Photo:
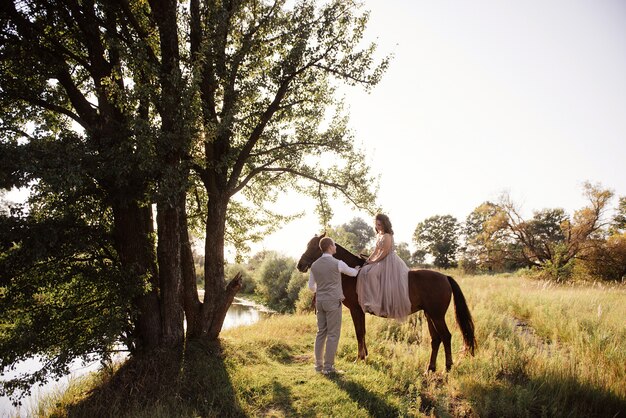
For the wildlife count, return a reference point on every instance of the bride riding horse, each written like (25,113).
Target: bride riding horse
(429,291)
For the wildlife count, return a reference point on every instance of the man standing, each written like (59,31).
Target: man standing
(325,281)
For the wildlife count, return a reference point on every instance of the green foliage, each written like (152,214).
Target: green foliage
(402,249)
(555,268)
(418,257)
(468,266)
(4,204)
(488,245)
(619,219)
(274,277)
(297,282)
(106,108)
(355,236)
(72,299)
(267,79)
(304,304)
(363,232)
(439,237)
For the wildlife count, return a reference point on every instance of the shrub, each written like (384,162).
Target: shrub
(297,282)
(304,303)
(273,277)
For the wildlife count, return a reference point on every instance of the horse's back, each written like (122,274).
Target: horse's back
(429,290)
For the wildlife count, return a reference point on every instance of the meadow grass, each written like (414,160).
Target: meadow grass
(543,350)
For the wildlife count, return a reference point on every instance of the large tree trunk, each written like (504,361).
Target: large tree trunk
(217,296)
(171,184)
(133,232)
(192,304)
(172,317)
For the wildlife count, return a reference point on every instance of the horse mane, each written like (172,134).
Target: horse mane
(347,257)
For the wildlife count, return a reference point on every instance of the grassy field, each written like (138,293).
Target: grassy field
(543,350)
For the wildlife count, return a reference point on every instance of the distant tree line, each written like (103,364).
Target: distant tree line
(495,237)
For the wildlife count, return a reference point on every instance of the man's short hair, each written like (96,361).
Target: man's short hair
(325,243)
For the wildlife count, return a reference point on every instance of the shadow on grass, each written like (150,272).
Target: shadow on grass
(282,398)
(374,404)
(166,383)
(553,396)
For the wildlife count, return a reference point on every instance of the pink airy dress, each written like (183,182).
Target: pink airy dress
(383,285)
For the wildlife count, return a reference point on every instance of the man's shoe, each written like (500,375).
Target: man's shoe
(332,371)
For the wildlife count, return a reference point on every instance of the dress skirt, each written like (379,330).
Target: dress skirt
(383,287)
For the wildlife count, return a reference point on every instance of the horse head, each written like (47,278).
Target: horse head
(312,253)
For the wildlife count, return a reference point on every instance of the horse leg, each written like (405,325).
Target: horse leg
(358,318)
(446,337)
(435,341)
(441,328)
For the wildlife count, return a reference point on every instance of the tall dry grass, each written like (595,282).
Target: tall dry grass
(544,350)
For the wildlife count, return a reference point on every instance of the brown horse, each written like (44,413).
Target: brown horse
(429,291)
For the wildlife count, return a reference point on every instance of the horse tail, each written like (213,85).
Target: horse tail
(463,316)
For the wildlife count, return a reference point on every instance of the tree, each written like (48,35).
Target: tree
(619,220)
(402,249)
(418,257)
(607,257)
(355,236)
(297,282)
(264,75)
(75,123)
(274,277)
(343,237)
(106,111)
(551,239)
(248,282)
(363,232)
(439,237)
(488,243)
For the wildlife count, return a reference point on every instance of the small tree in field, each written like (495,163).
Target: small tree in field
(355,236)
(439,237)
(551,240)
(402,249)
(607,257)
(364,233)
(487,244)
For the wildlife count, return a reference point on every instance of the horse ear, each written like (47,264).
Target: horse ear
(323,235)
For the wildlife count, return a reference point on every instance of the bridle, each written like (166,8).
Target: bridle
(306,260)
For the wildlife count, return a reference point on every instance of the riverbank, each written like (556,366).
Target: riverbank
(242,312)
(542,350)
(244,301)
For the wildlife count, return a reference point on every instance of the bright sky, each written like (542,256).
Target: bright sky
(483,97)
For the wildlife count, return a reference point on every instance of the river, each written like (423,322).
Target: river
(241,312)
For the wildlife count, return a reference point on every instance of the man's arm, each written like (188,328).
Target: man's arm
(312,284)
(343,268)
